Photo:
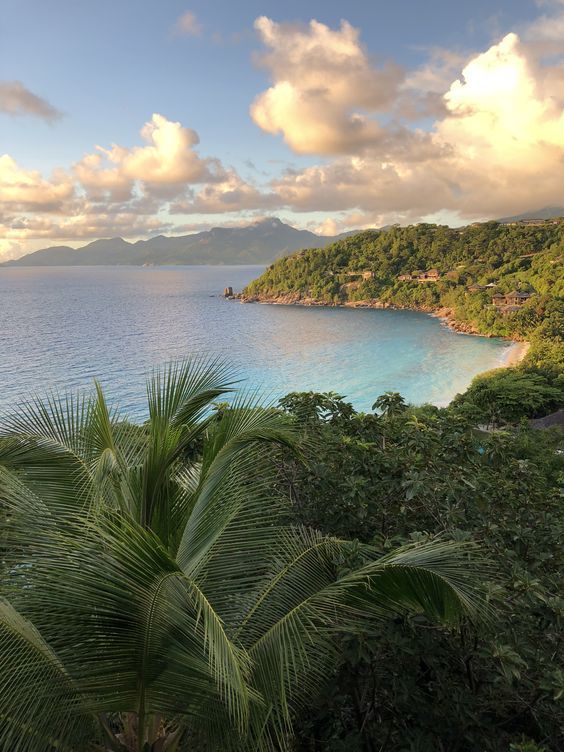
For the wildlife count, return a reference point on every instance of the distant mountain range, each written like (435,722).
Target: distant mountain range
(257,243)
(549,212)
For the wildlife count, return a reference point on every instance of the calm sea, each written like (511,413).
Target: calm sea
(60,328)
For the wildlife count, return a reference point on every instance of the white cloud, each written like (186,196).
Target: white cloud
(15,99)
(498,149)
(496,146)
(27,190)
(165,165)
(188,25)
(323,85)
(231,194)
(118,190)
(10,249)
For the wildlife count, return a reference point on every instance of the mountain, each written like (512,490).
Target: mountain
(257,243)
(549,212)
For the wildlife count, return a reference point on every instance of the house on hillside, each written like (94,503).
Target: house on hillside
(480,288)
(535,222)
(513,301)
(517,298)
(433,275)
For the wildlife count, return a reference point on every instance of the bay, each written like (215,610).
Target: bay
(63,327)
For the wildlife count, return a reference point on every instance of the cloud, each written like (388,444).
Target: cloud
(231,194)
(9,249)
(27,190)
(119,190)
(328,226)
(498,149)
(16,100)
(188,25)
(163,167)
(494,147)
(323,85)
(421,93)
(19,235)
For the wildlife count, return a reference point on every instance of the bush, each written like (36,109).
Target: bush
(509,394)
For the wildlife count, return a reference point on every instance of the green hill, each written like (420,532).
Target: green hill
(385,268)
(257,243)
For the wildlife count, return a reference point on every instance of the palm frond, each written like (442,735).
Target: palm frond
(293,629)
(149,571)
(181,392)
(40,708)
(228,459)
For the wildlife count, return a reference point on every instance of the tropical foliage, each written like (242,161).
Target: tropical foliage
(157,592)
(407,475)
(506,395)
(509,257)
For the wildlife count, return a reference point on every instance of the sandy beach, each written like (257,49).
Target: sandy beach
(515,354)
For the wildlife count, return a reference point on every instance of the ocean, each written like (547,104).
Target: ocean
(63,327)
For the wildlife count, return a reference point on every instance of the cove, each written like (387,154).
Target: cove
(62,327)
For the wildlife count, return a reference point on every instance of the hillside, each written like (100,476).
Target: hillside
(548,212)
(366,269)
(258,243)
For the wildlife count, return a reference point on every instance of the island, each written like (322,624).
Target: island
(491,279)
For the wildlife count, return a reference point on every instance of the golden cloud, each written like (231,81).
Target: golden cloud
(498,149)
(323,83)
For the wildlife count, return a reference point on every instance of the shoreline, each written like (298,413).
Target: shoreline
(513,356)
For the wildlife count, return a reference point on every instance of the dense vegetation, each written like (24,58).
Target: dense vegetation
(154,596)
(528,258)
(234,577)
(406,474)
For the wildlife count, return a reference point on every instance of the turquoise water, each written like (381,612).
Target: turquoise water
(62,327)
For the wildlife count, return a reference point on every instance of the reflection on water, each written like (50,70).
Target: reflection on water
(62,327)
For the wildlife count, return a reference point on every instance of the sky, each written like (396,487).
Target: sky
(134,118)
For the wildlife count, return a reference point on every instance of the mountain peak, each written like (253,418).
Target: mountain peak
(260,242)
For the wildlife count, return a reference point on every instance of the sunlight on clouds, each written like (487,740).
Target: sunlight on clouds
(496,146)
(27,190)
(10,249)
(498,149)
(120,190)
(167,160)
(501,114)
(323,81)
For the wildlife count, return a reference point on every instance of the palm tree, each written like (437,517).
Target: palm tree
(153,596)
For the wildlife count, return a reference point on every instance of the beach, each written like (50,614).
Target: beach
(515,354)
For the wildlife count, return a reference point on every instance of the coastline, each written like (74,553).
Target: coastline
(513,356)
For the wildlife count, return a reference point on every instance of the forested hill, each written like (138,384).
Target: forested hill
(366,268)
(257,243)
(484,253)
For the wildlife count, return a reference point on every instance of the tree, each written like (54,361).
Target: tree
(153,598)
(410,685)
(390,403)
(510,394)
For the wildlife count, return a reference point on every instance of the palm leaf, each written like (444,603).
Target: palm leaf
(40,707)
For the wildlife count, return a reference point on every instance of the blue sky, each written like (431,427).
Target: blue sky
(108,66)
